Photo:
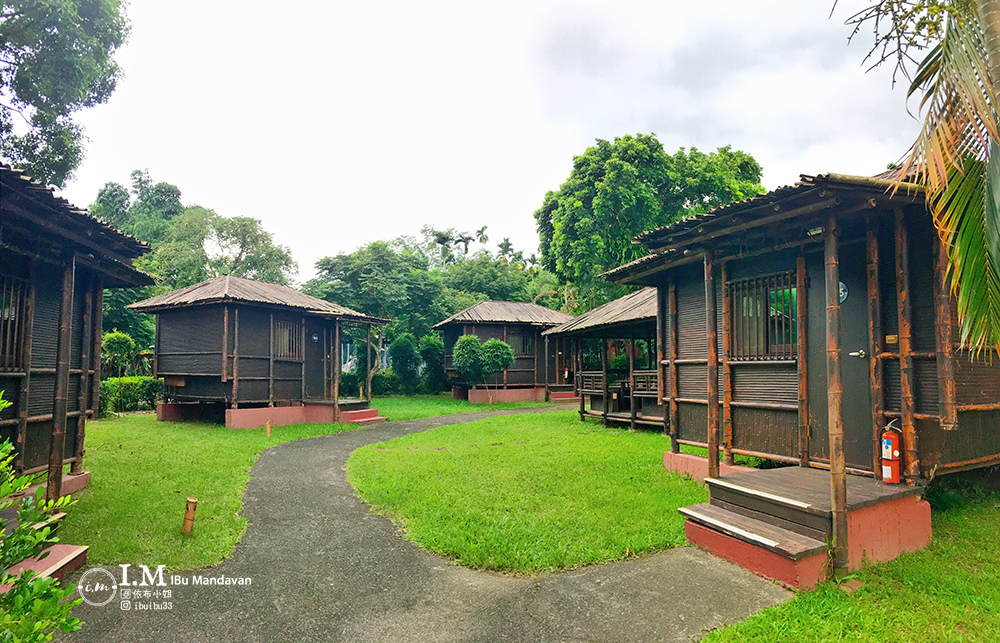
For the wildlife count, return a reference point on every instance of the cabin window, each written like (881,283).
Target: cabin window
(287,341)
(13,306)
(523,344)
(763,321)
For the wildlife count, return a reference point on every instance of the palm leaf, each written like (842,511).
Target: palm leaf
(957,159)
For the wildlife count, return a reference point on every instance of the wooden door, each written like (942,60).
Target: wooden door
(855,358)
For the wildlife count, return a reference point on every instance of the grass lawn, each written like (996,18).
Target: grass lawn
(528,493)
(948,592)
(399,407)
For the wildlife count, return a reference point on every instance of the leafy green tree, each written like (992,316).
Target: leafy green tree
(467,358)
(55,59)
(118,350)
(248,250)
(489,277)
(406,362)
(432,354)
(112,205)
(140,327)
(497,356)
(619,189)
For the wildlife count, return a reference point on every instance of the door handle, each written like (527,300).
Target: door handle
(861,353)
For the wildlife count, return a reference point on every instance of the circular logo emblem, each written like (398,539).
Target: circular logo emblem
(97,587)
(843,292)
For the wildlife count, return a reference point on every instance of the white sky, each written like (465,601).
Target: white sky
(339,123)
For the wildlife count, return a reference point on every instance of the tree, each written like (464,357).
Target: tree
(112,205)
(406,362)
(432,354)
(506,249)
(55,59)
(497,356)
(467,358)
(619,189)
(248,250)
(118,350)
(489,277)
(957,154)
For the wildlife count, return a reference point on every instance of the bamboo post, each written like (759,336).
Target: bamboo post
(579,377)
(22,398)
(675,446)
(711,322)
(631,378)
(189,510)
(943,336)
(304,351)
(546,353)
(727,371)
(835,398)
(876,338)
(270,363)
(57,440)
(911,460)
(661,357)
(605,383)
(801,317)
(81,405)
(95,383)
(156,347)
(368,367)
(236,358)
(336,370)
(225,343)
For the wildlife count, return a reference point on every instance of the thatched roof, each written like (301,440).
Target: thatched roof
(507,312)
(30,206)
(640,305)
(228,288)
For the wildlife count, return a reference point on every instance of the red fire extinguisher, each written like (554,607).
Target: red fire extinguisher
(890,454)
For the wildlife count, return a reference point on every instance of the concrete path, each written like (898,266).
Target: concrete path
(324,569)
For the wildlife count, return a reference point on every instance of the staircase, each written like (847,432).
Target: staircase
(362,417)
(778,522)
(562,393)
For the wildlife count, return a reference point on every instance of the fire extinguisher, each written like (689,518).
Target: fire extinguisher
(890,439)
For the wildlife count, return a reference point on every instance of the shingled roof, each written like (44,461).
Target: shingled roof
(228,288)
(639,305)
(507,312)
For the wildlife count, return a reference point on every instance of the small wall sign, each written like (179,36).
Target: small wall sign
(843,292)
(316,337)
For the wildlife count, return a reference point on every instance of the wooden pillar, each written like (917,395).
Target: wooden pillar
(336,369)
(304,351)
(727,372)
(236,358)
(673,412)
(943,337)
(661,357)
(86,337)
(546,354)
(713,366)
(911,461)
(578,379)
(631,377)
(95,394)
(559,348)
(835,398)
(156,347)
(607,388)
(368,366)
(28,334)
(505,370)
(270,363)
(326,363)
(876,339)
(801,316)
(225,343)
(57,440)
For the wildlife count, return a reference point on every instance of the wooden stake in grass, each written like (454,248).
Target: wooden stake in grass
(267,428)
(192,505)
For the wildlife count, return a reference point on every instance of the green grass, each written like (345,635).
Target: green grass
(527,493)
(398,407)
(948,592)
(143,471)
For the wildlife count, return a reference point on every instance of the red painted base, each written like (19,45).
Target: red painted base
(563,396)
(56,561)
(306,414)
(881,532)
(797,574)
(483,396)
(696,466)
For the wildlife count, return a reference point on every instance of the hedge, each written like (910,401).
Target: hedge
(123,394)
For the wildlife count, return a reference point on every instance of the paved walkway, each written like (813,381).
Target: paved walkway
(324,569)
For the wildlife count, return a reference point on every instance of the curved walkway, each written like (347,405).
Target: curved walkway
(324,569)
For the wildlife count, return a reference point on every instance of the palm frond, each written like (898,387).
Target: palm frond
(957,159)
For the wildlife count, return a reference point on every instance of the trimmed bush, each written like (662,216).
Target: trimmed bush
(124,394)
(405,362)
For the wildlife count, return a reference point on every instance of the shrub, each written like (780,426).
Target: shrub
(497,356)
(435,379)
(385,382)
(405,362)
(124,394)
(467,358)
(118,349)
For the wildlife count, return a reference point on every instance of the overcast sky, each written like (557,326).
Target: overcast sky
(339,123)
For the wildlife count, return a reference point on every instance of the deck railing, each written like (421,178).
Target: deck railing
(644,384)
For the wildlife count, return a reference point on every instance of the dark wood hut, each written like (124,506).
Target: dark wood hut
(795,326)
(55,262)
(264,352)
(617,370)
(538,368)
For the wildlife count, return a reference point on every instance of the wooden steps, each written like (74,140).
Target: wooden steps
(362,417)
(773,538)
(56,561)
(563,396)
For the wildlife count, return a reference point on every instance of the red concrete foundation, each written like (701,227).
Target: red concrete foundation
(563,396)
(306,414)
(881,532)
(58,561)
(483,396)
(797,574)
(696,466)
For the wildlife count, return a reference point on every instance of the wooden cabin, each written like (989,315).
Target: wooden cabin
(617,373)
(263,352)
(539,368)
(55,262)
(796,326)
